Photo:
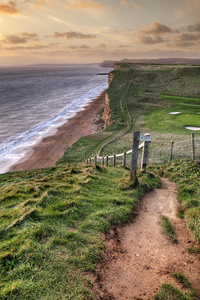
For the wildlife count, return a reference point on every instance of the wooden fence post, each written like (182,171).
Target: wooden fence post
(102,161)
(171,151)
(145,155)
(95,160)
(90,160)
(114,160)
(106,160)
(133,173)
(193,147)
(124,159)
(87,161)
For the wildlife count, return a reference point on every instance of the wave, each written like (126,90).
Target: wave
(17,146)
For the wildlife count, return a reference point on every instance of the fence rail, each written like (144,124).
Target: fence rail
(188,149)
(145,139)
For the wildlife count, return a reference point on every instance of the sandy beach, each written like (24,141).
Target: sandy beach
(51,148)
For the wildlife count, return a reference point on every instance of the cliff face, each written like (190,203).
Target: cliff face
(110,77)
(107,110)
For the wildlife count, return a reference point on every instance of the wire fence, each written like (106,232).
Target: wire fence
(182,150)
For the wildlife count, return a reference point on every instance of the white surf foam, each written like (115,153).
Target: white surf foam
(18,146)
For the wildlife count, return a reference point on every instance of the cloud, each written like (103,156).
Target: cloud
(149,40)
(193,28)
(73,35)
(156,28)
(183,44)
(130,3)
(124,46)
(23,38)
(80,47)
(13,39)
(30,36)
(39,2)
(85,5)
(102,45)
(33,47)
(8,9)
(189,37)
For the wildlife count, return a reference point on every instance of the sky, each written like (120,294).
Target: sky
(90,31)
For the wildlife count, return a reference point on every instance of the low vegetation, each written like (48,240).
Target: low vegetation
(51,220)
(169,292)
(182,279)
(168,229)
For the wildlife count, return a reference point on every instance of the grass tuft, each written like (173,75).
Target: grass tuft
(169,292)
(182,279)
(167,229)
(193,250)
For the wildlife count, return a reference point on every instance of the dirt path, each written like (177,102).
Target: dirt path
(138,258)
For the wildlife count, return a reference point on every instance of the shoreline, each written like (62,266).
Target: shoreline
(51,148)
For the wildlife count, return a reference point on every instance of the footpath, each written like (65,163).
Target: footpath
(138,258)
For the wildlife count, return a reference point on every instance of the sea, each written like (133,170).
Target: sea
(36,100)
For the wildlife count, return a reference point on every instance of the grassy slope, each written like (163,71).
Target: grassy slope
(52,218)
(89,146)
(51,224)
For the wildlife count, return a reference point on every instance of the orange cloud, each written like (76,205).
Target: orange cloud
(85,5)
(23,38)
(8,9)
(73,35)
(157,28)
(149,40)
(131,3)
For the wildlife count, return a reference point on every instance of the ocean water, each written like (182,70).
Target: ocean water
(35,101)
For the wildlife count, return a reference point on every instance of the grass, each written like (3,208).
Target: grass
(165,122)
(52,219)
(193,250)
(167,229)
(51,225)
(150,94)
(182,279)
(187,177)
(169,292)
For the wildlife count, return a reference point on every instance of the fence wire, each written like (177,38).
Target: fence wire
(182,150)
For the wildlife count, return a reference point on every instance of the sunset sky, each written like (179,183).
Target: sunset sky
(80,31)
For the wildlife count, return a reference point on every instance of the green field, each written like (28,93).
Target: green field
(162,121)
(51,224)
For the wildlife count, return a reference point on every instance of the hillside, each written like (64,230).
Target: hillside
(51,225)
(55,222)
(141,97)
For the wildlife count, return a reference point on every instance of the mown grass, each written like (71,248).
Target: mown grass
(169,292)
(51,224)
(187,176)
(189,109)
(168,229)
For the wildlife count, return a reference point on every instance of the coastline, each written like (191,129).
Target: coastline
(52,147)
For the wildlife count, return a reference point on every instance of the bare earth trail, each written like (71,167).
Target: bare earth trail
(139,258)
